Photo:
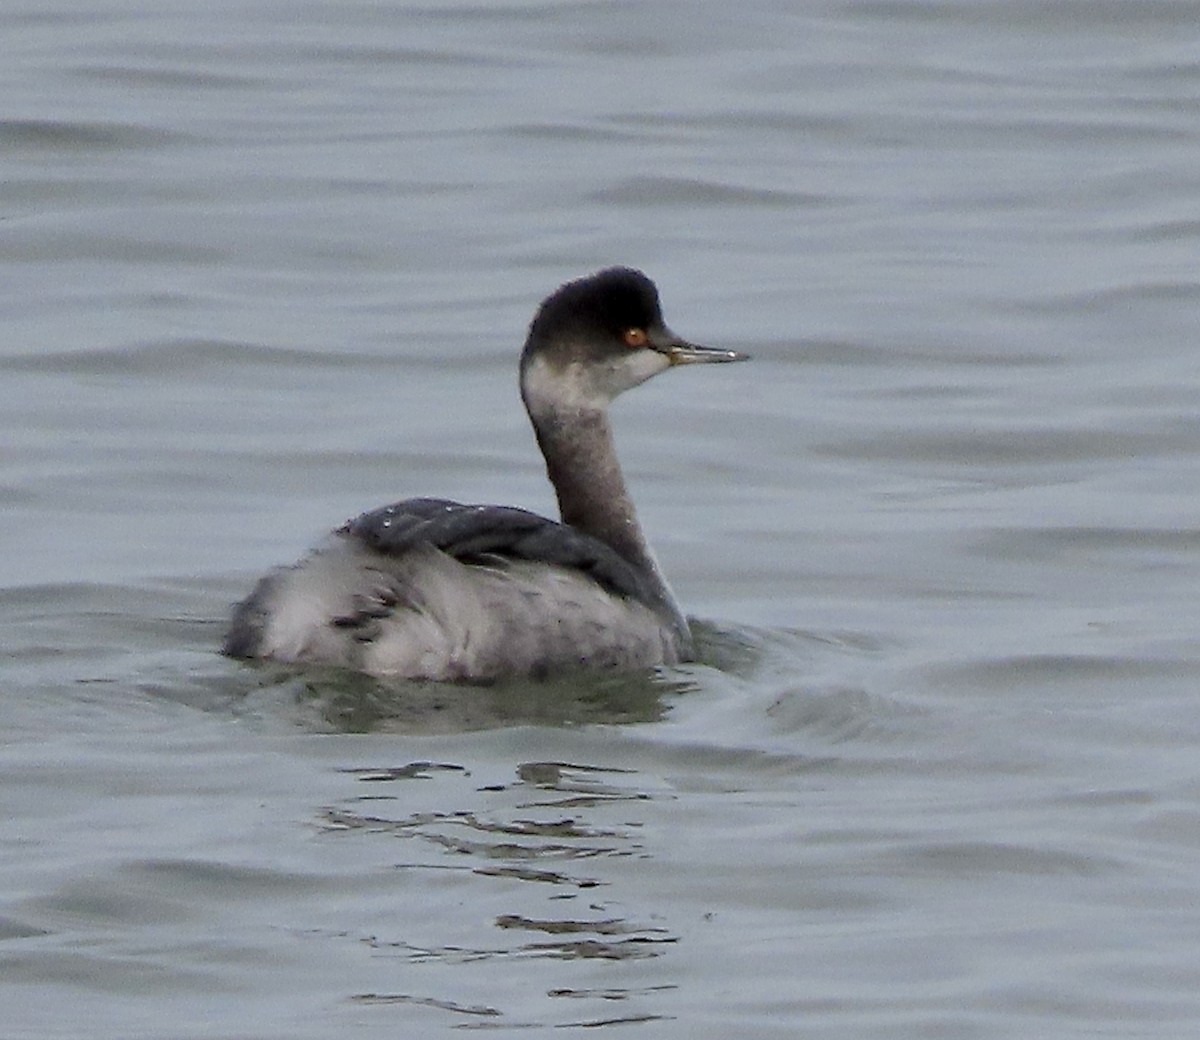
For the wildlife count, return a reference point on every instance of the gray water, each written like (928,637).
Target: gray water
(267,265)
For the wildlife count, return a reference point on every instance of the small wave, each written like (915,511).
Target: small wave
(66,135)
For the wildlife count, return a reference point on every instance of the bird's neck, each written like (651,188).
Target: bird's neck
(581,461)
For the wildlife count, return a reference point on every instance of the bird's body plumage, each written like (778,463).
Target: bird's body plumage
(435,589)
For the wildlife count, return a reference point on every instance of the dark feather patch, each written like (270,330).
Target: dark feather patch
(471,533)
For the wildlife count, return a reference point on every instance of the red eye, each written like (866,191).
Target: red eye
(636,338)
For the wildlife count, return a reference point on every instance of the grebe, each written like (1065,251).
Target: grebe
(432,589)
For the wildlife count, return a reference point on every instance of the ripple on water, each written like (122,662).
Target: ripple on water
(67,136)
(536,846)
(683,191)
(1033,672)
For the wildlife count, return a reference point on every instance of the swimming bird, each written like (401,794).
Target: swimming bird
(433,589)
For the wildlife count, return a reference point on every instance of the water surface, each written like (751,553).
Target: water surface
(266,266)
